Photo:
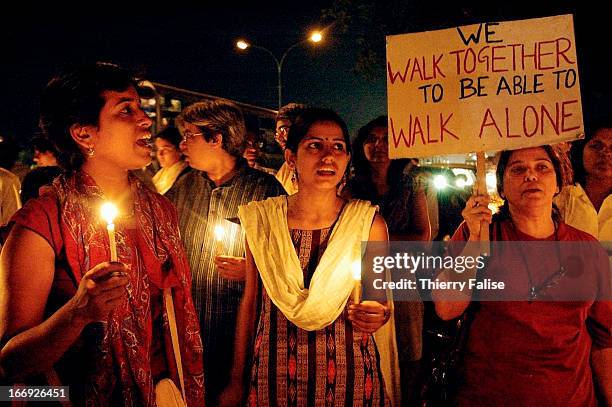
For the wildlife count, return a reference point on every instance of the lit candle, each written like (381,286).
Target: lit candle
(356,271)
(109,212)
(219,235)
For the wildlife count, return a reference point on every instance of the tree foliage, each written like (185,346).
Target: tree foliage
(367,22)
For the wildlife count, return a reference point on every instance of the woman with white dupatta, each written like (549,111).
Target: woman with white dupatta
(312,345)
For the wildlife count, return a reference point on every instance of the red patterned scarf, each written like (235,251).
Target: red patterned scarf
(122,354)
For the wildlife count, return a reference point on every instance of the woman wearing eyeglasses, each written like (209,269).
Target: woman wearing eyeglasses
(532,351)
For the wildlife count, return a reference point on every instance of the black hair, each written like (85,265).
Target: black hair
(75,97)
(577,148)
(310,116)
(35,179)
(41,144)
(172,135)
(362,182)
(306,119)
(290,111)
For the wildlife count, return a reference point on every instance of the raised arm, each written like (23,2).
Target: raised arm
(245,327)
(25,283)
(451,303)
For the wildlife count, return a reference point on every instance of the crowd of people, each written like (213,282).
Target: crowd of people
(233,280)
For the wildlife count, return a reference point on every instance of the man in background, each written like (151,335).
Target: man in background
(284,119)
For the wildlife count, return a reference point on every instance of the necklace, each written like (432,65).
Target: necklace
(552,280)
(126,216)
(127,201)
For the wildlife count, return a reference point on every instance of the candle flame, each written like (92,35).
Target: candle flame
(109,212)
(219,233)
(356,270)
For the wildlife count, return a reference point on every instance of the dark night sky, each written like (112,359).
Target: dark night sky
(192,47)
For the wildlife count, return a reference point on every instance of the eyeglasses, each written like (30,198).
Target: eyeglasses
(188,136)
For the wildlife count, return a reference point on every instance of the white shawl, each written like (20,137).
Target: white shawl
(267,233)
(166,177)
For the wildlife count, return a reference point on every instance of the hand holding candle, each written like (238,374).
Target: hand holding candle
(109,212)
(356,272)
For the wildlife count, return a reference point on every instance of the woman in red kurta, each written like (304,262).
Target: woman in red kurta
(532,351)
(101,326)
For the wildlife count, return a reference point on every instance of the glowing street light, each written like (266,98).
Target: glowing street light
(315,37)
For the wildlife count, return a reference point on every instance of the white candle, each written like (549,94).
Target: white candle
(110,228)
(109,212)
(219,235)
(356,272)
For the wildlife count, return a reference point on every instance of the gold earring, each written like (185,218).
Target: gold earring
(293,175)
(90,151)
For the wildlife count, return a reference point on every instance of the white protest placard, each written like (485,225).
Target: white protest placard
(483,87)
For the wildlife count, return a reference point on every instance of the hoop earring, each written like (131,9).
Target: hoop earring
(90,151)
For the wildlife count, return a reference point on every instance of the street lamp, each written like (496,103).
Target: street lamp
(315,37)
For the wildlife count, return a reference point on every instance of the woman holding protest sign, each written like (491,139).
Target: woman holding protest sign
(531,351)
(312,345)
